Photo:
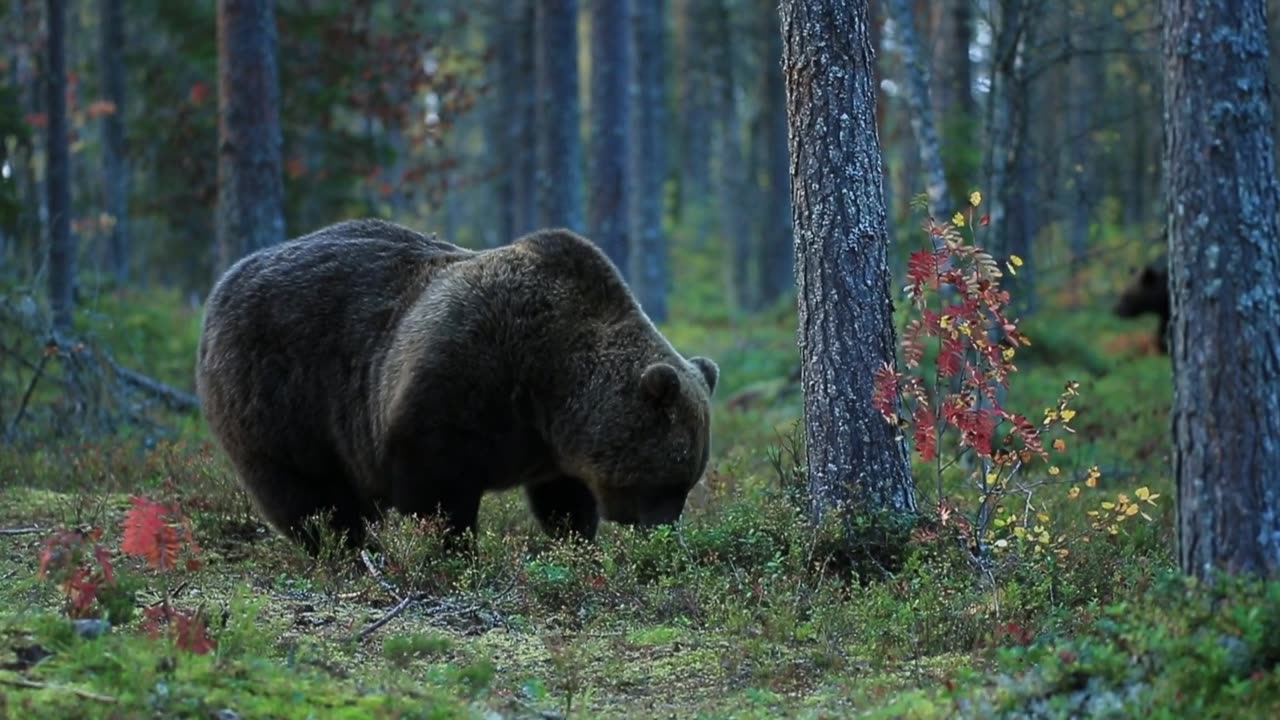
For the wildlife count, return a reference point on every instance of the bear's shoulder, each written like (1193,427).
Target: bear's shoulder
(377,229)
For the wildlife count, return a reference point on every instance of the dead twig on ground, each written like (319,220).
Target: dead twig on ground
(20,531)
(33,685)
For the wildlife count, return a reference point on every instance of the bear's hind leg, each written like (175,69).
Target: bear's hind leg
(287,500)
(564,506)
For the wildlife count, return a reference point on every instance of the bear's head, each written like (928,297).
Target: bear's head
(645,439)
(1148,292)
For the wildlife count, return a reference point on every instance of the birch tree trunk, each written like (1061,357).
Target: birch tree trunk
(921,108)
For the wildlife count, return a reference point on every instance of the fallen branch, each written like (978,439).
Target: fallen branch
(392,614)
(26,396)
(174,398)
(33,685)
(20,531)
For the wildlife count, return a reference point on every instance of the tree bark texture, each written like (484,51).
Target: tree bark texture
(115,171)
(512,121)
(250,180)
(559,144)
(846,324)
(1224,253)
(610,192)
(61,250)
(650,274)
(920,106)
(774,246)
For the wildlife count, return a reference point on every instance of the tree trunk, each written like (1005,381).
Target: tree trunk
(524,125)
(730,178)
(1224,259)
(846,323)
(610,194)
(559,145)
(115,171)
(694,35)
(921,108)
(650,274)
(61,251)
(511,118)
(953,80)
(775,247)
(250,179)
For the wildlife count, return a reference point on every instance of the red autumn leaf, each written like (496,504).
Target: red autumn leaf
(148,534)
(199,93)
(951,359)
(926,432)
(100,108)
(985,221)
(191,634)
(922,270)
(885,393)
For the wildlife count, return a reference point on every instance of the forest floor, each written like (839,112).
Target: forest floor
(744,613)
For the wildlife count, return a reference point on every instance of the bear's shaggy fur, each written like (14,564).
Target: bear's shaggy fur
(366,366)
(1148,292)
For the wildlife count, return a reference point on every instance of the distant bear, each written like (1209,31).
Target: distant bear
(366,366)
(1148,292)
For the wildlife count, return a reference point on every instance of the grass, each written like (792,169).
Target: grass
(746,612)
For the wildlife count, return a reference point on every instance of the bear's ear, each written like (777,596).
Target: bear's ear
(660,382)
(710,371)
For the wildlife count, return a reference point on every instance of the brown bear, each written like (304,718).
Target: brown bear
(366,366)
(1148,292)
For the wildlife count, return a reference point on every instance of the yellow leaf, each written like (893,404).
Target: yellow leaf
(1108,505)
(1020,532)
(1044,538)
(1074,492)
(1142,493)
(1091,481)
(1063,552)
(1002,543)
(1053,470)
(1152,499)
(1067,415)
(1007,353)
(1148,517)
(1131,510)
(957,219)
(1017,261)
(1060,445)
(975,198)
(945,322)
(1122,499)
(1042,517)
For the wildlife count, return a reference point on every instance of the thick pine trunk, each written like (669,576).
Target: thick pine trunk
(650,271)
(250,181)
(61,251)
(610,193)
(1224,258)
(846,324)
(115,171)
(559,145)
